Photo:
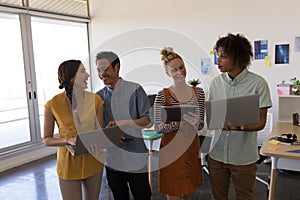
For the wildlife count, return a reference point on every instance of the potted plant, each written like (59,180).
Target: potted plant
(296,87)
(194,82)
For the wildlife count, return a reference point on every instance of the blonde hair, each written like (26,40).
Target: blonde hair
(167,55)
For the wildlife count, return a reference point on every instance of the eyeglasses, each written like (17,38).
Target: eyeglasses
(102,69)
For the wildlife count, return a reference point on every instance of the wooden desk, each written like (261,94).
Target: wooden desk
(281,152)
(150,135)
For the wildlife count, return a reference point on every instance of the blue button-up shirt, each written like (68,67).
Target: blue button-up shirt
(128,101)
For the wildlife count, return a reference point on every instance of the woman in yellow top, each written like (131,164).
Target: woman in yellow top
(74,110)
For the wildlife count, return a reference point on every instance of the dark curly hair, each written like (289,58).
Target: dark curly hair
(236,47)
(66,72)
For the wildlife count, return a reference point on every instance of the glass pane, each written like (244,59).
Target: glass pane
(11,2)
(68,41)
(14,121)
(69,7)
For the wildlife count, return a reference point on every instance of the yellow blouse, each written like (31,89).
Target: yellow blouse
(75,167)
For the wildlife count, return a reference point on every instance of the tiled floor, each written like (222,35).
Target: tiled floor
(38,181)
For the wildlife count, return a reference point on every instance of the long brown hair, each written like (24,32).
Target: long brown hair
(66,73)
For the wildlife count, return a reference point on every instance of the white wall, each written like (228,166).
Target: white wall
(137,29)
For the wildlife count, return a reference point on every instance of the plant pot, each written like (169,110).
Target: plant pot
(296,89)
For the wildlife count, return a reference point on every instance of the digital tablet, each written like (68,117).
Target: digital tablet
(176,112)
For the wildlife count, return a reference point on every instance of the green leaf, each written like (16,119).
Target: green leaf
(295,81)
(194,82)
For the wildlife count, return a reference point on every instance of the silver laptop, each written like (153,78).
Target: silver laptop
(103,138)
(78,149)
(238,111)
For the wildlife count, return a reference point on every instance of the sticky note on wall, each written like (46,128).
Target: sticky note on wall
(267,61)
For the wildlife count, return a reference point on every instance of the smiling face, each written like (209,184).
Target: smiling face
(81,78)
(107,73)
(176,70)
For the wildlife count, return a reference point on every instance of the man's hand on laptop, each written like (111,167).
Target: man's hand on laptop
(118,123)
(122,140)
(111,124)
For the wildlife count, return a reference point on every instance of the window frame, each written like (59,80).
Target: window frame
(36,143)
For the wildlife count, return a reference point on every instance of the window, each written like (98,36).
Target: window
(14,119)
(32,48)
(65,7)
(68,41)
(11,2)
(68,7)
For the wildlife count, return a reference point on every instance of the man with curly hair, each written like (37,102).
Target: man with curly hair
(234,151)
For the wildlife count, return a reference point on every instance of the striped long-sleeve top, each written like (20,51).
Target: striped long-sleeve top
(168,127)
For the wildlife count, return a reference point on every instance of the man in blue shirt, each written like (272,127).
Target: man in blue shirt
(125,104)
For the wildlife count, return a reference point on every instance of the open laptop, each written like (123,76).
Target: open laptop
(238,111)
(78,149)
(103,138)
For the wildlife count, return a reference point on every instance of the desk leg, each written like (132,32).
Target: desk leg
(150,163)
(273,178)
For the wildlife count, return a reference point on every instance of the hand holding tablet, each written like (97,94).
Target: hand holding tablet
(176,112)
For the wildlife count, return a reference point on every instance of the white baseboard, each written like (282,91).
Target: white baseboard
(21,159)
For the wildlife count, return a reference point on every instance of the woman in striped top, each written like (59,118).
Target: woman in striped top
(180,167)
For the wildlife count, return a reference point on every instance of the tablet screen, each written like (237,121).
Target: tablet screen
(176,112)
